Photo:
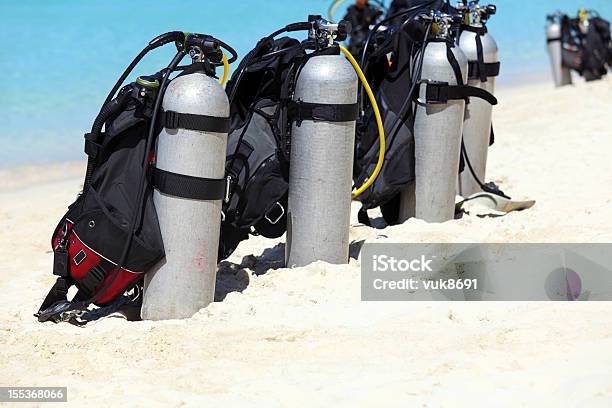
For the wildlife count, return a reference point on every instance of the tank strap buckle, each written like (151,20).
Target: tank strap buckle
(439,93)
(172,119)
(436,92)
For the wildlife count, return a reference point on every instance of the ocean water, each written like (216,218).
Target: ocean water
(59,58)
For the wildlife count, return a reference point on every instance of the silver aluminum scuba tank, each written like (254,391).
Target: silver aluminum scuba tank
(561,75)
(483,58)
(438,127)
(192,146)
(320,176)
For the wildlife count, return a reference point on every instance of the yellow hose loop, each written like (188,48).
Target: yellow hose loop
(334,8)
(225,69)
(379,122)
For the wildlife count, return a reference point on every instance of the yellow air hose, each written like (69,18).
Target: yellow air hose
(381,128)
(225,69)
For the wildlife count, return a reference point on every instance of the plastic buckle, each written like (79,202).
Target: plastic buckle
(436,92)
(61,263)
(276,220)
(171,120)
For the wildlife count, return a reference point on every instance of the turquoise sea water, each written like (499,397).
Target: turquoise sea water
(59,58)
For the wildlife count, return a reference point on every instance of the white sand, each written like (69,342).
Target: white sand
(302,337)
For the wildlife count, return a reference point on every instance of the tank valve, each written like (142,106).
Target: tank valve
(444,24)
(200,47)
(325,33)
(475,14)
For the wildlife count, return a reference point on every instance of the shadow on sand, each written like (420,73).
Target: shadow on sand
(233,277)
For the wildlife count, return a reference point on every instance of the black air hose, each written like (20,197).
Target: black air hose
(109,110)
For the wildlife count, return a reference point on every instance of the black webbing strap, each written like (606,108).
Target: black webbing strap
(363,217)
(452,60)
(92,148)
(549,40)
(478,30)
(239,159)
(58,292)
(204,123)
(195,188)
(299,111)
(441,92)
(481,70)
(236,164)
(491,70)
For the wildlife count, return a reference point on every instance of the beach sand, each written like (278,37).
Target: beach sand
(302,337)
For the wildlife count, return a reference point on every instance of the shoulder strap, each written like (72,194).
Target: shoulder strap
(57,293)
(480,69)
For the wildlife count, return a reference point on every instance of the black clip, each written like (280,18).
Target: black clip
(61,263)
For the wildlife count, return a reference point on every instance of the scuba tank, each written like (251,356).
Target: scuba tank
(438,121)
(189,186)
(483,66)
(438,127)
(320,177)
(290,151)
(561,74)
(393,60)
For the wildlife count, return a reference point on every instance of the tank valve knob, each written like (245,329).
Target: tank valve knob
(344,29)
